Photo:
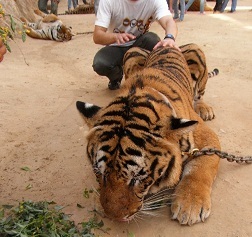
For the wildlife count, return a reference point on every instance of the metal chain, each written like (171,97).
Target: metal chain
(221,154)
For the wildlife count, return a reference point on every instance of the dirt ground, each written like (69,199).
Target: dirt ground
(40,127)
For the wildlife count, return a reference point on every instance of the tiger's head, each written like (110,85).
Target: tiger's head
(133,145)
(64,33)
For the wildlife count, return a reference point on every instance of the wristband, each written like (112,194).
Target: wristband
(169,36)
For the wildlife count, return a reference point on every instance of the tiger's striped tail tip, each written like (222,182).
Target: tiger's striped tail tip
(213,73)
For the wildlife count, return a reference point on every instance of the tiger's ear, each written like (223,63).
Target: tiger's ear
(181,126)
(88,111)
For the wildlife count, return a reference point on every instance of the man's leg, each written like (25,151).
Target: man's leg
(233,5)
(147,41)
(42,6)
(189,3)
(75,3)
(202,6)
(224,5)
(54,7)
(108,62)
(182,9)
(175,9)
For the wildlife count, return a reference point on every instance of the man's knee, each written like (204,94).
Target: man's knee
(147,41)
(150,36)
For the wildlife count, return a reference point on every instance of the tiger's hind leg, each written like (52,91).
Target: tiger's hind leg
(30,27)
(46,17)
(196,61)
(134,61)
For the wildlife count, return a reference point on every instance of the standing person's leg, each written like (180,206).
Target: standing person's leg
(189,3)
(218,6)
(175,9)
(224,5)
(54,7)
(108,62)
(42,6)
(75,3)
(182,9)
(69,4)
(202,6)
(233,5)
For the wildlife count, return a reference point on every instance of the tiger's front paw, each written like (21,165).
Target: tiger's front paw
(203,110)
(191,206)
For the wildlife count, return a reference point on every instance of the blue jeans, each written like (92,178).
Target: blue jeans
(42,5)
(202,5)
(233,5)
(108,61)
(69,4)
(176,10)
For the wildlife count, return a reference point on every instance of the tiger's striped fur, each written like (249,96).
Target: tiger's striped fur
(50,27)
(138,143)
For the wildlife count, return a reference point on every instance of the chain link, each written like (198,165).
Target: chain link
(221,154)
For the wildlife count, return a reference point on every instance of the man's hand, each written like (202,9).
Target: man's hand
(121,38)
(101,36)
(166,42)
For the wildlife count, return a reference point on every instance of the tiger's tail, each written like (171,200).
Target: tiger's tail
(213,73)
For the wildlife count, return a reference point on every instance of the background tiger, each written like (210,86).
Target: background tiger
(50,27)
(138,143)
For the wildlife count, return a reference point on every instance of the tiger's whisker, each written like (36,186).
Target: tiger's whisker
(153,207)
(157,200)
(151,213)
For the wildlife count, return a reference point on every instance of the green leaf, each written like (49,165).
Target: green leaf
(8,47)
(42,220)
(130,234)
(13,24)
(25,168)
(86,193)
(29,186)
(23,36)
(1,213)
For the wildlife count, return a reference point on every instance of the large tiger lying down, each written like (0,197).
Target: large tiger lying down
(138,144)
(50,27)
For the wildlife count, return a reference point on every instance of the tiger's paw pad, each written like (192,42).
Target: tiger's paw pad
(203,110)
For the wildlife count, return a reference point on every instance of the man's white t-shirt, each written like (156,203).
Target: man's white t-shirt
(133,17)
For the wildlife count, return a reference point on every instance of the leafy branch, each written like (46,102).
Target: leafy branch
(9,30)
(40,219)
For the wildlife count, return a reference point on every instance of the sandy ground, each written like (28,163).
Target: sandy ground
(40,127)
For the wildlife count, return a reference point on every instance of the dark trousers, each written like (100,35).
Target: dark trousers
(108,61)
(218,5)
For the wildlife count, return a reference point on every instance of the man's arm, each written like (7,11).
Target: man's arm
(101,36)
(170,27)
